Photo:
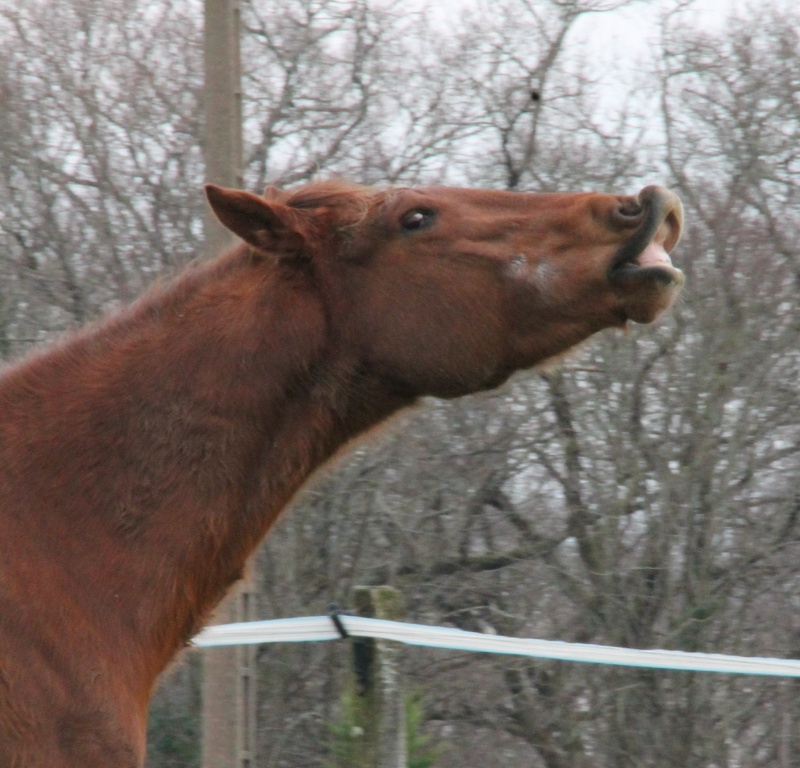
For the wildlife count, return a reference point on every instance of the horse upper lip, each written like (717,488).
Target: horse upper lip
(659,231)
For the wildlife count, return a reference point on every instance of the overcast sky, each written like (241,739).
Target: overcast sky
(621,39)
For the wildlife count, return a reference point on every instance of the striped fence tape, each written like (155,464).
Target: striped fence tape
(318,628)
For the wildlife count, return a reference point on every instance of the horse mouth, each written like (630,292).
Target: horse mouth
(646,255)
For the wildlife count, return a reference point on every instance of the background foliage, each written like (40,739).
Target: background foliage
(645,493)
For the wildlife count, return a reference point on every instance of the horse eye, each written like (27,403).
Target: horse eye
(417,219)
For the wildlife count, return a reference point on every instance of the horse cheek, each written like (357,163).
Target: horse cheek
(441,344)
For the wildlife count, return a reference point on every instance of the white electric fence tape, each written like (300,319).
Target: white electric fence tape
(314,628)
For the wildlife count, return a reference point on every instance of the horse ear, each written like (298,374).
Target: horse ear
(266,225)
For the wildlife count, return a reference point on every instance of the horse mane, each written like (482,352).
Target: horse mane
(350,201)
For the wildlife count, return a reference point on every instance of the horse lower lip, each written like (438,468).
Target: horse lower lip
(630,272)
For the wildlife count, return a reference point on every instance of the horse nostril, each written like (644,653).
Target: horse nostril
(629,209)
(627,213)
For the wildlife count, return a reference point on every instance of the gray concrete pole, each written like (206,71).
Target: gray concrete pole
(229,676)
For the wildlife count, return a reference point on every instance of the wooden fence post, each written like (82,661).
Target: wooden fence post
(379,705)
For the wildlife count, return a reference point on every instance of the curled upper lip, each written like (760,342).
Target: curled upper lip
(661,220)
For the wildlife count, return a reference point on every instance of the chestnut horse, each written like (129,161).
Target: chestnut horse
(144,457)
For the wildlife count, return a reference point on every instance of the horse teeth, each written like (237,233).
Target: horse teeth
(653,256)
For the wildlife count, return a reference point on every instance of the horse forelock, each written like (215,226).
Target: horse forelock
(350,203)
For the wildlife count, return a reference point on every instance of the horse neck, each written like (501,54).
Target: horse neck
(175,434)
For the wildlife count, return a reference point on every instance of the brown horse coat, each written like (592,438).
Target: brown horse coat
(143,458)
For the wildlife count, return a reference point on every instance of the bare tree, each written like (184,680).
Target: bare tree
(649,501)
(100,153)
